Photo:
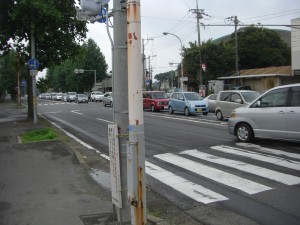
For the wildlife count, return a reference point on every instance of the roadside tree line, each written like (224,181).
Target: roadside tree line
(258,47)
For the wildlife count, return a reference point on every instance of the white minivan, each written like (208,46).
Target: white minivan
(275,115)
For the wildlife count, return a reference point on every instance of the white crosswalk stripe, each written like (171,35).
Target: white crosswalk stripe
(189,161)
(186,187)
(279,161)
(256,170)
(216,175)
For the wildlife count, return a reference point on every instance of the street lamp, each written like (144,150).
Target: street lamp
(181,79)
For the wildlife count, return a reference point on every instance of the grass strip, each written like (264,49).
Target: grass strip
(42,134)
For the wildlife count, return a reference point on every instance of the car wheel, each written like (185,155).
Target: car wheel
(171,111)
(186,111)
(219,115)
(244,132)
(205,113)
(152,108)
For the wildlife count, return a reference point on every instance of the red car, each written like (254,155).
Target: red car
(155,100)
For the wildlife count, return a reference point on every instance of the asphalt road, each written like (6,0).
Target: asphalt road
(195,164)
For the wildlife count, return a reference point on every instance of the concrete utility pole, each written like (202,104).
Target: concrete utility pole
(236,22)
(236,46)
(120,95)
(199,13)
(136,144)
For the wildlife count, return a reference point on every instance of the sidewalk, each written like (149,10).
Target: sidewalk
(42,183)
(50,182)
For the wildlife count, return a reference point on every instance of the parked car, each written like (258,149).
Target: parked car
(275,115)
(187,102)
(65,97)
(97,96)
(230,100)
(108,99)
(155,100)
(48,96)
(71,96)
(211,102)
(242,87)
(58,97)
(81,98)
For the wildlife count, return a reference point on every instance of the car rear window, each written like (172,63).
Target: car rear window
(250,96)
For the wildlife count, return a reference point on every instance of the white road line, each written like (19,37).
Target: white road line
(269,150)
(104,120)
(219,176)
(259,156)
(189,120)
(186,187)
(76,111)
(256,170)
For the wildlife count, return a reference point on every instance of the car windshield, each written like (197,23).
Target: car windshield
(250,96)
(192,96)
(159,95)
(72,93)
(98,93)
(81,95)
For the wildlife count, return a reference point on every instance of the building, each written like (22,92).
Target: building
(295,47)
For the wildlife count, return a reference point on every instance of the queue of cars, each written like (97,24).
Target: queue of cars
(274,115)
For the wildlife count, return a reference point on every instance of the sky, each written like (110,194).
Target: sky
(176,17)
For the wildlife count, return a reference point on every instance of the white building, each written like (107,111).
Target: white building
(295,39)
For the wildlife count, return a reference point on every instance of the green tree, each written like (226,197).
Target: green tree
(62,77)
(261,47)
(54,25)
(10,66)
(167,76)
(42,85)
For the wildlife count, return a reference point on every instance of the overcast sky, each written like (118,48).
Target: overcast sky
(174,16)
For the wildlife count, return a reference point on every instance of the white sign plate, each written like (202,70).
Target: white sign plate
(113,144)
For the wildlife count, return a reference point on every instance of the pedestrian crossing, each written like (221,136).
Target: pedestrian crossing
(224,171)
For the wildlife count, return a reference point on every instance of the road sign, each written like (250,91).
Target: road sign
(115,177)
(33,73)
(23,83)
(184,78)
(33,64)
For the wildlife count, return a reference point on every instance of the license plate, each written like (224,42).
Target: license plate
(199,110)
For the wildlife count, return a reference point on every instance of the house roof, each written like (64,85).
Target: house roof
(281,71)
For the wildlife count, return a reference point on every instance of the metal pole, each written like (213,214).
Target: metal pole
(236,46)
(120,95)
(95,77)
(136,144)
(199,16)
(32,38)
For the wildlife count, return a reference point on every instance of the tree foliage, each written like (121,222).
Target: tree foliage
(257,48)
(63,78)
(10,68)
(53,24)
(56,30)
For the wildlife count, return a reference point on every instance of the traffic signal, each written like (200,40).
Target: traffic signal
(92,7)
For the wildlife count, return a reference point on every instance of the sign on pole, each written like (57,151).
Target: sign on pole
(33,64)
(115,178)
